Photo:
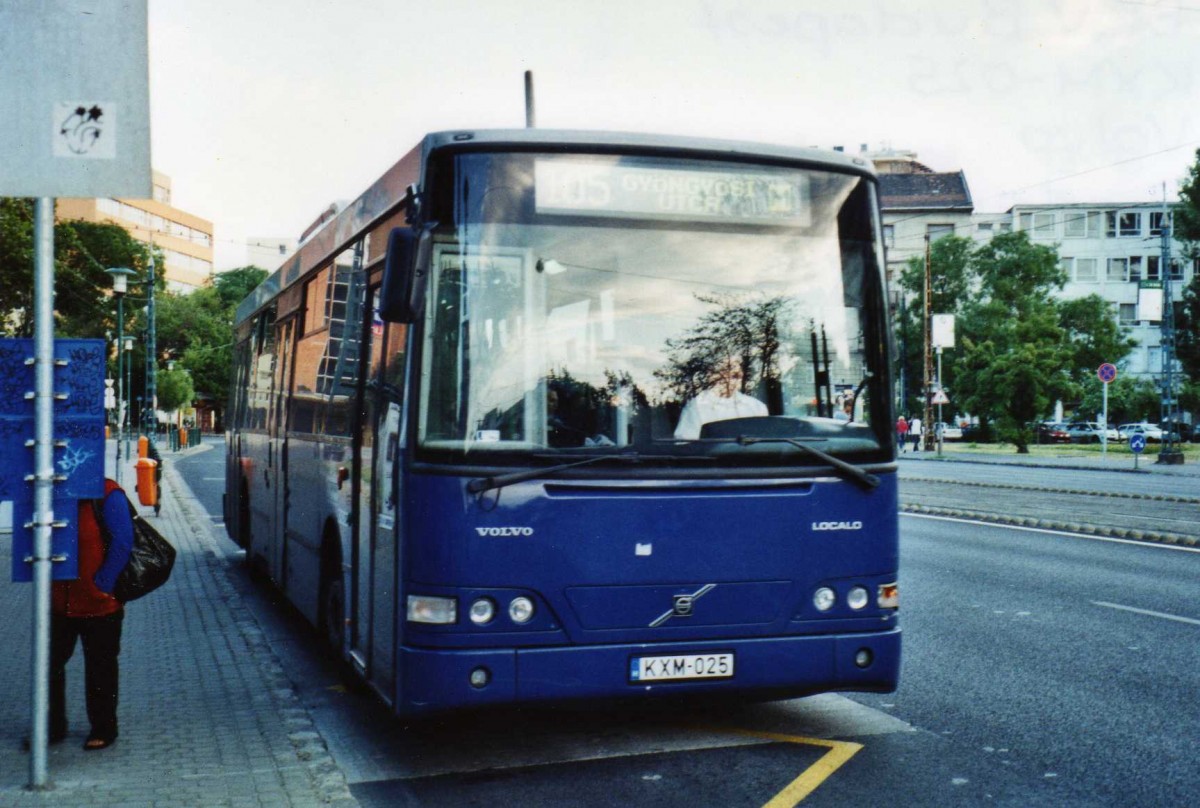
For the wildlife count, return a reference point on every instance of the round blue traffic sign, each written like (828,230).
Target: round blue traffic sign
(1137,443)
(1107,372)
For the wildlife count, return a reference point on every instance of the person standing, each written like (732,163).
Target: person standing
(914,432)
(901,433)
(85,610)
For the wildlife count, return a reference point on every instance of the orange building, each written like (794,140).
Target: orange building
(184,240)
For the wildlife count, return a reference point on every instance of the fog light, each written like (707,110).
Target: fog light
(482,611)
(824,598)
(863,658)
(480,677)
(858,598)
(521,610)
(432,609)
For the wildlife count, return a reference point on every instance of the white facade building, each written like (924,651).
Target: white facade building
(1115,251)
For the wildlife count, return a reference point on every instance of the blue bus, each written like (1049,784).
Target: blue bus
(547,416)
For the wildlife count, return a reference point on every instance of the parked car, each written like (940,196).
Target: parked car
(948,431)
(1151,431)
(1092,432)
(1051,433)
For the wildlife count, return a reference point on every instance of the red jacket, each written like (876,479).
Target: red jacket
(81,597)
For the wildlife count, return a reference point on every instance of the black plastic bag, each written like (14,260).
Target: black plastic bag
(150,561)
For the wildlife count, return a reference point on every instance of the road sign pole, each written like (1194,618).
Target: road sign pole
(43,483)
(940,430)
(1104,433)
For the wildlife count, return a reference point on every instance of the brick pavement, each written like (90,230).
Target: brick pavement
(208,715)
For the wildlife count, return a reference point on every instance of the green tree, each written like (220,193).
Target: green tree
(197,329)
(83,306)
(233,285)
(1015,359)
(1129,399)
(1093,337)
(1187,230)
(174,390)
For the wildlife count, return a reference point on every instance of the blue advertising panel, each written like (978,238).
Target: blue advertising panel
(78,442)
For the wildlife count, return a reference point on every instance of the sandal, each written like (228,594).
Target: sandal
(94,743)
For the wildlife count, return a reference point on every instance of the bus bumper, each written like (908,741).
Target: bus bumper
(435,680)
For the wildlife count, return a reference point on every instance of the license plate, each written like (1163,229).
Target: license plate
(675,668)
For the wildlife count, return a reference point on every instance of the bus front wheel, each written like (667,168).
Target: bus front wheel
(333,612)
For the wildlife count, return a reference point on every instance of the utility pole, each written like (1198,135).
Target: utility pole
(149,416)
(1170,454)
(927,382)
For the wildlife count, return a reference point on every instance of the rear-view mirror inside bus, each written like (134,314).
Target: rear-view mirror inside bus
(404,274)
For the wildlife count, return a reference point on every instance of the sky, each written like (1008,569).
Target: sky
(264,112)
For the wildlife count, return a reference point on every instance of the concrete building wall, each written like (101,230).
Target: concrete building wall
(185,240)
(1110,249)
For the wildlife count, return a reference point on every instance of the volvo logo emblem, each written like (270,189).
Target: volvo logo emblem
(682,605)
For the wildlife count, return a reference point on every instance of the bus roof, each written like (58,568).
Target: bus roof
(387,193)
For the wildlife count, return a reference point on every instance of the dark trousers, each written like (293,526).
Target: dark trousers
(101,637)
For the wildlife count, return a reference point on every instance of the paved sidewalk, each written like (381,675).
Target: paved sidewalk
(208,715)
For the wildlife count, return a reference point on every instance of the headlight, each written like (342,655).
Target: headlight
(824,599)
(432,609)
(521,610)
(858,598)
(482,611)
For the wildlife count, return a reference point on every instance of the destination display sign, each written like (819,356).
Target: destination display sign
(606,188)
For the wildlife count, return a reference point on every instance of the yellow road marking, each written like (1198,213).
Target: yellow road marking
(812,777)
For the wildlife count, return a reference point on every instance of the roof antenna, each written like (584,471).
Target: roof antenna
(529,123)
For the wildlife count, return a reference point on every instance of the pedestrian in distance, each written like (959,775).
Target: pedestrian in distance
(84,610)
(914,432)
(901,433)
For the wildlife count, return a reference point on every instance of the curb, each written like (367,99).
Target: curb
(1148,536)
(1072,491)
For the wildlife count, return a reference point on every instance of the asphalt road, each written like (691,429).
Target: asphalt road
(1039,669)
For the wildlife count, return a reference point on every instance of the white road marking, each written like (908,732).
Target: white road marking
(1053,532)
(1189,620)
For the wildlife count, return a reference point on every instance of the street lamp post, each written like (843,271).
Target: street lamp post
(120,276)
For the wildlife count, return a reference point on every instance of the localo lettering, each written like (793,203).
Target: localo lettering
(837,525)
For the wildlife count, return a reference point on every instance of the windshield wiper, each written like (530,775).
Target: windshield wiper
(848,470)
(482,484)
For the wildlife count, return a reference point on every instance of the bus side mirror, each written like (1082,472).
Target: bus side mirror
(406,270)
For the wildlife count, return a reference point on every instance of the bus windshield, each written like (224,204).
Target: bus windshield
(582,304)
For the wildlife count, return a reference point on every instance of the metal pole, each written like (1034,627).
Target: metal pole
(1170,453)
(927,372)
(151,356)
(120,380)
(1104,432)
(127,418)
(940,435)
(529,116)
(43,483)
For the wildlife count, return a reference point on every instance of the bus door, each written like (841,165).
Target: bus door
(366,353)
(276,467)
(386,390)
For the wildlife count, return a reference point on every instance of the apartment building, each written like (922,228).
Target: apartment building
(184,240)
(1115,250)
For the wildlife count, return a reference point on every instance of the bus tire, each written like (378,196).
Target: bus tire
(331,611)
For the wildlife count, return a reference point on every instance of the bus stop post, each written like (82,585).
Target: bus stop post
(43,485)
